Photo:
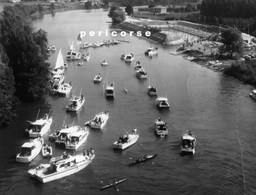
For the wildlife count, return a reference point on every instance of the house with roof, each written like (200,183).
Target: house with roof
(159,10)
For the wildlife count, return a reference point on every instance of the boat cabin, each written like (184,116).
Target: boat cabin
(26,149)
(110,91)
(188,143)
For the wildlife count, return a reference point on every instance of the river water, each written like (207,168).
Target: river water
(216,108)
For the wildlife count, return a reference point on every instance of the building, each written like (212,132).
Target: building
(159,10)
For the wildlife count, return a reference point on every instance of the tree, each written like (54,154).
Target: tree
(8,102)
(151,4)
(116,14)
(26,51)
(129,10)
(232,40)
(88,5)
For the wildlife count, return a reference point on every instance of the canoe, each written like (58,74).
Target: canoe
(143,159)
(113,184)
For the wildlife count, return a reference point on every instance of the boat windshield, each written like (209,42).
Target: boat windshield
(25,151)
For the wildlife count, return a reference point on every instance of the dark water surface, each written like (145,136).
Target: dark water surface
(216,108)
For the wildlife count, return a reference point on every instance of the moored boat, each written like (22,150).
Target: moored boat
(30,150)
(57,80)
(97,78)
(151,51)
(104,63)
(46,150)
(77,138)
(39,127)
(72,54)
(188,143)
(86,57)
(64,88)
(162,102)
(141,73)
(152,90)
(99,121)
(127,140)
(64,134)
(59,66)
(253,94)
(161,127)
(75,103)
(110,91)
(129,58)
(62,166)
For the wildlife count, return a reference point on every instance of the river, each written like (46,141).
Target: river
(216,108)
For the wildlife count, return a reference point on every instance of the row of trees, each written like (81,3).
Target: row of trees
(236,13)
(156,2)
(24,72)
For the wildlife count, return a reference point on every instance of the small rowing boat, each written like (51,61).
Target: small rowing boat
(113,184)
(143,159)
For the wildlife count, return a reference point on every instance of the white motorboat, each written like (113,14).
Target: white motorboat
(58,79)
(54,136)
(51,48)
(64,134)
(97,78)
(85,45)
(97,44)
(152,89)
(137,68)
(137,63)
(253,94)
(30,150)
(75,103)
(104,63)
(129,58)
(39,127)
(46,150)
(188,143)
(161,127)
(72,54)
(64,88)
(141,74)
(59,66)
(151,51)
(86,57)
(110,91)
(162,102)
(77,138)
(127,140)
(80,63)
(191,58)
(99,121)
(62,166)
(215,63)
